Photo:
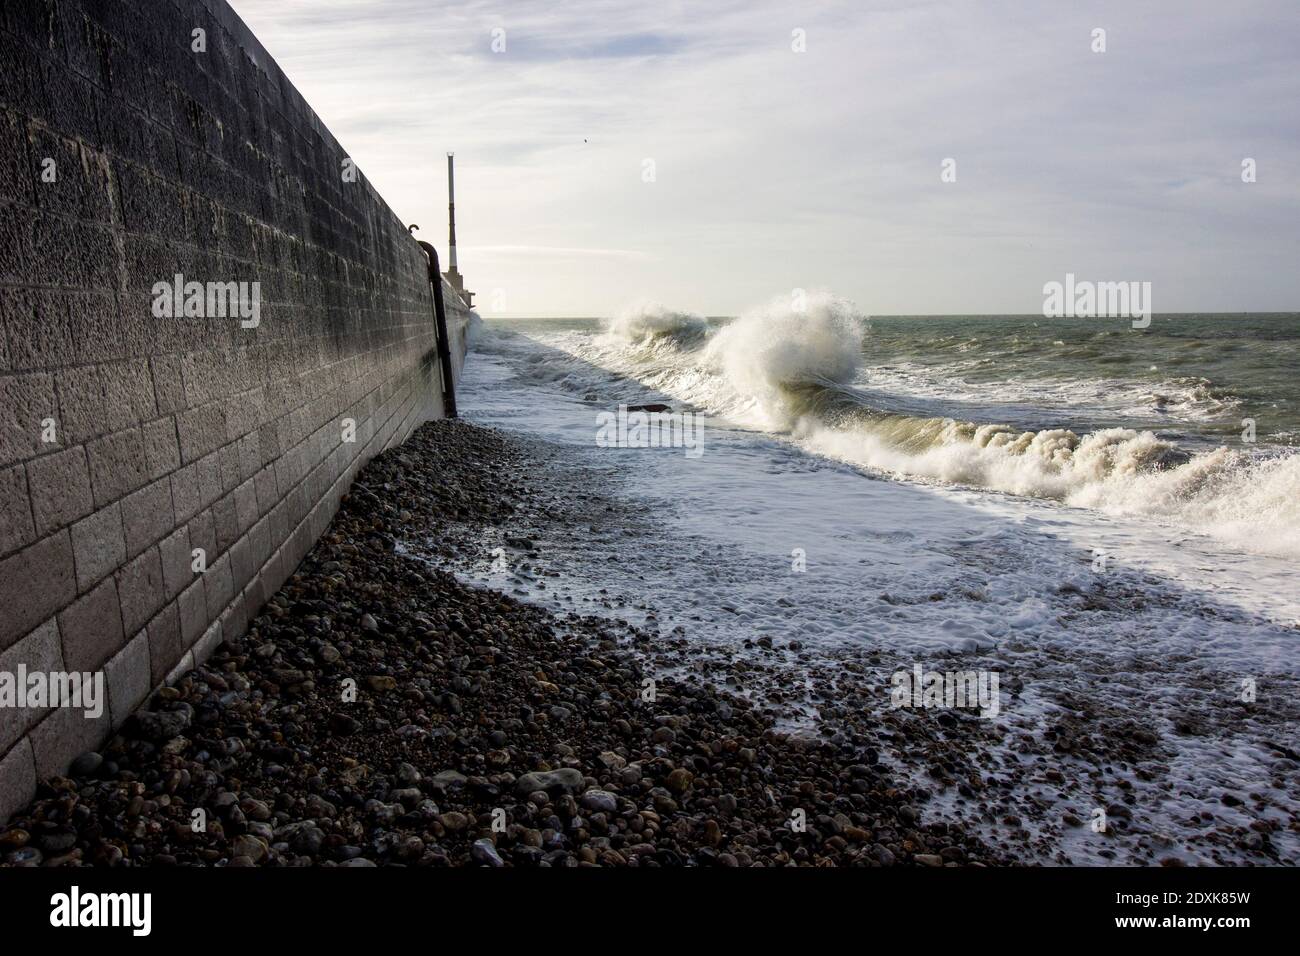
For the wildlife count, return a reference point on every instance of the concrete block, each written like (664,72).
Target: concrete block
(203,534)
(202,430)
(92,628)
(98,545)
(207,645)
(71,102)
(150,205)
(193,607)
(230,473)
(169,388)
(161,448)
(256,594)
(17,779)
(165,645)
(34,583)
(225,519)
(138,138)
(210,484)
(80,189)
(128,678)
(250,455)
(13,241)
(141,590)
(117,465)
(82,414)
(17,183)
(17,529)
(186,499)
(260,536)
(41,650)
(281,525)
(242,410)
(246,505)
(242,563)
(72,254)
(177,561)
(147,516)
(268,441)
(267,489)
(90,49)
(141,332)
(128,390)
(40,333)
(26,400)
(60,489)
(95,325)
(219,584)
(286,471)
(150,260)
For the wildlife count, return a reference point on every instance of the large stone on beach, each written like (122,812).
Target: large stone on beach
(342,725)
(565,780)
(86,764)
(600,801)
(161,725)
(484,853)
(448,779)
(680,780)
(249,846)
(303,837)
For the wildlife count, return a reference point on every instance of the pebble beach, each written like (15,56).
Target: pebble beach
(381,713)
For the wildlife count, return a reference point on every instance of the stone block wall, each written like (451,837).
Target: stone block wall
(132,443)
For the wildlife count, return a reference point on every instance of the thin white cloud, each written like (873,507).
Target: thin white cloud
(776,169)
(555,252)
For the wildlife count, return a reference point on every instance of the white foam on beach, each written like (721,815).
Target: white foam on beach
(753,489)
(929,572)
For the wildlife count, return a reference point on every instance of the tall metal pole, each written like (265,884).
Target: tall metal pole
(451,211)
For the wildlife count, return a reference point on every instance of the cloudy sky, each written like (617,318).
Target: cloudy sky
(775,169)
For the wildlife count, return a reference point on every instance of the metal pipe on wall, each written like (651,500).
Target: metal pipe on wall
(440,316)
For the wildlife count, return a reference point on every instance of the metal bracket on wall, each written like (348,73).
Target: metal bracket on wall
(440,314)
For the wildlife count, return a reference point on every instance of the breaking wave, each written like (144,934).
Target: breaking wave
(791,371)
(644,322)
(766,355)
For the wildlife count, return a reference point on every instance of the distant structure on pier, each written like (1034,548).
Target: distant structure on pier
(452,275)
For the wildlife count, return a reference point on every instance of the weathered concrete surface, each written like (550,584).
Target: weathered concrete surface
(129,442)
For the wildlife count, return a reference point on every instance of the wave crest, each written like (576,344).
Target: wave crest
(771,349)
(646,321)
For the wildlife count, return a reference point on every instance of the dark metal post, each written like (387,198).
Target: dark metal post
(440,314)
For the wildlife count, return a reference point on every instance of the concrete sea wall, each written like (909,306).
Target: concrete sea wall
(162,474)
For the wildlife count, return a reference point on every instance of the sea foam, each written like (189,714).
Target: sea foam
(789,370)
